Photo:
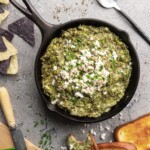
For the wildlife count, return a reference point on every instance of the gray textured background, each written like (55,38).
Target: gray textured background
(24,95)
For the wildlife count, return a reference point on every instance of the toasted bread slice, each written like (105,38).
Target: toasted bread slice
(136,132)
(116,146)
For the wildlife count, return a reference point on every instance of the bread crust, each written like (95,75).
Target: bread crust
(136,132)
(117,145)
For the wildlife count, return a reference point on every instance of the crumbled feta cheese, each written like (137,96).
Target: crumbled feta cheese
(58,95)
(71,146)
(78,94)
(55,68)
(73,62)
(72,46)
(53,82)
(85,125)
(96,43)
(102,53)
(120,116)
(70,80)
(54,102)
(105,92)
(93,49)
(101,128)
(107,128)
(85,79)
(91,38)
(130,63)
(82,131)
(93,132)
(64,74)
(88,54)
(92,75)
(114,54)
(105,72)
(98,64)
(88,90)
(63,148)
(103,136)
(83,58)
(65,84)
(74,71)
(90,68)
(68,42)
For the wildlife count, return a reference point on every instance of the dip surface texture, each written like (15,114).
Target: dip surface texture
(86,70)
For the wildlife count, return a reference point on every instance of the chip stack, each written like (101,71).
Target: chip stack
(8,53)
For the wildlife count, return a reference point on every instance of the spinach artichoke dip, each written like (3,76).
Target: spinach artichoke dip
(86,70)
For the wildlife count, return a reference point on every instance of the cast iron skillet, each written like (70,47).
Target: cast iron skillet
(50,31)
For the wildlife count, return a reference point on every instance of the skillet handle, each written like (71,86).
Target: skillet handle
(32,14)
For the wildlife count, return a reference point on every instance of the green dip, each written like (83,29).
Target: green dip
(86,70)
(73,144)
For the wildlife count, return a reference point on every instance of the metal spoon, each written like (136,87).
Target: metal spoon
(114,4)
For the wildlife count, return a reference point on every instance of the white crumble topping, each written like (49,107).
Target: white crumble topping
(54,102)
(101,128)
(107,128)
(58,95)
(93,132)
(71,146)
(105,92)
(68,42)
(82,131)
(55,68)
(78,94)
(95,72)
(64,74)
(120,116)
(96,43)
(63,148)
(103,136)
(114,54)
(86,125)
(72,46)
(91,38)
(53,82)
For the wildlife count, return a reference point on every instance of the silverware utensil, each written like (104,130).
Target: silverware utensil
(114,4)
(9,115)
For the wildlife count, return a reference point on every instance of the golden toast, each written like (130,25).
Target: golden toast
(136,132)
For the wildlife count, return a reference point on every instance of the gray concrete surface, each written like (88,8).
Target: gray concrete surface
(27,103)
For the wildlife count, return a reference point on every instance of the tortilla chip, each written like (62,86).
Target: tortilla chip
(4,15)
(4,66)
(1,9)
(13,67)
(11,50)
(3,47)
(8,35)
(4,1)
(24,28)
